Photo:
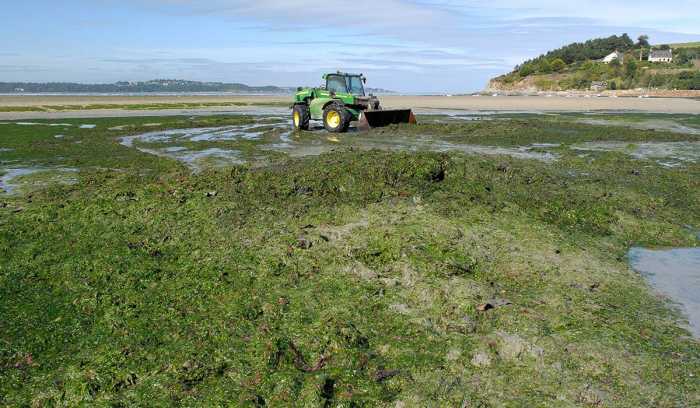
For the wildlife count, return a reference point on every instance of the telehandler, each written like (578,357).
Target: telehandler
(341,101)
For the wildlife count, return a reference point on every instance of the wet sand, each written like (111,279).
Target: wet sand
(466,103)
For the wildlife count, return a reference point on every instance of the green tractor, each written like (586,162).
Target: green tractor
(342,101)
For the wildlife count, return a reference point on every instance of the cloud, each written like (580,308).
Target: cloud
(23,68)
(159,61)
(456,45)
(439,15)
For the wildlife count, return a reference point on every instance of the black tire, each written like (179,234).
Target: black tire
(336,124)
(304,117)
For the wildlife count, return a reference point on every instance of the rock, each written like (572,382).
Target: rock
(513,347)
(212,194)
(592,396)
(360,270)
(454,354)
(400,308)
(382,375)
(492,304)
(499,302)
(481,360)
(304,243)
(484,307)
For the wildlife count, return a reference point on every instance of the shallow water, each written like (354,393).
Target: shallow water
(8,186)
(650,124)
(236,132)
(674,273)
(668,154)
(42,124)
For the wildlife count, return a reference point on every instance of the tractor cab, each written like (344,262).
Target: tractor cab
(340,83)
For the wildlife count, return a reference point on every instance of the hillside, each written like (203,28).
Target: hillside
(579,66)
(158,85)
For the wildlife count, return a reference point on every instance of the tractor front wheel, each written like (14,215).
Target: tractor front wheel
(336,118)
(300,117)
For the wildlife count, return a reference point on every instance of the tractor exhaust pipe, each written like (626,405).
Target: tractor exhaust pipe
(380,118)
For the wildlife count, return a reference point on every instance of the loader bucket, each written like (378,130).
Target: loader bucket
(381,118)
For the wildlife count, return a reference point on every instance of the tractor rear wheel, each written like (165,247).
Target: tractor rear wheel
(336,118)
(301,117)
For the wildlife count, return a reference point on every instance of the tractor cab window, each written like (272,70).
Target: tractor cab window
(355,86)
(336,83)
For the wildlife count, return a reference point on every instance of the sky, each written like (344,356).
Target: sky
(411,46)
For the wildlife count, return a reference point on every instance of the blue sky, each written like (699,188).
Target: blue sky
(404,45)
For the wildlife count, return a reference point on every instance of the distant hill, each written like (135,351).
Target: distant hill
(579,66)
(158,85)
(685,45)
(154,86)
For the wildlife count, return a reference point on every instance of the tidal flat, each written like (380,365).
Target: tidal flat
(225,260)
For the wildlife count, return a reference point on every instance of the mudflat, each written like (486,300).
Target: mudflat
(50,106)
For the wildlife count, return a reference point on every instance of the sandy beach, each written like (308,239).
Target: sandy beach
(419,103)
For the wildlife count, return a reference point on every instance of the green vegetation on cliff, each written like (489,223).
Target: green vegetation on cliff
(579,66)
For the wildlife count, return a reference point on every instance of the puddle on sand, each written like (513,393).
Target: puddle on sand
(42,124)
(651,124)
(8,186)
(237,132)
(197,159)
(213,156)
(524,152)
(675,273)
(676,152)
(425,143)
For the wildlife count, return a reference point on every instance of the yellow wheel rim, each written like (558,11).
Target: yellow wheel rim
(297,119)
(333,119)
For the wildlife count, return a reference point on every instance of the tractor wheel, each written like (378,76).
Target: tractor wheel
(301,117)
(336,118)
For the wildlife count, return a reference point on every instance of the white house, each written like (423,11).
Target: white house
(614,56)
(661,56)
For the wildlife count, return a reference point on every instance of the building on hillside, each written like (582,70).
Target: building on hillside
(661,56)
(620,57)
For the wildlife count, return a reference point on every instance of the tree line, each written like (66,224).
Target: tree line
(161,85)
